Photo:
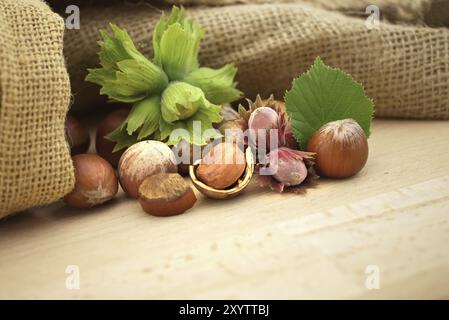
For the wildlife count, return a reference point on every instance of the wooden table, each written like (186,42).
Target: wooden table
(387,228)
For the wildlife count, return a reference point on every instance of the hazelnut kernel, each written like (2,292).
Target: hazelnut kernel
(166,194)
(222,166)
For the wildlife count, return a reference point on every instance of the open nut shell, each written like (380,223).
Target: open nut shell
(234,190)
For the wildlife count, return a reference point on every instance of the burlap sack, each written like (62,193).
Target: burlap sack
(404,68)
(429,12)
(35,166)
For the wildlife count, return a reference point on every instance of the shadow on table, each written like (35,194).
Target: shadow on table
(39,219)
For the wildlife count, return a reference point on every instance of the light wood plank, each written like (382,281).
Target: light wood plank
(394,214)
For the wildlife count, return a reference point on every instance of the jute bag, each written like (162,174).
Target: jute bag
(404,68)
(425,12)
(35,165)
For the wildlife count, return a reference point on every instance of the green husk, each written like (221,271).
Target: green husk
(171,91)
(217,84)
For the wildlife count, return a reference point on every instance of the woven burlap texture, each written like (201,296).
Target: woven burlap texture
(431,12)
(35,166)
(405,69)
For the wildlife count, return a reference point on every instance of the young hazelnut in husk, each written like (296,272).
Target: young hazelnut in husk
(95,182)
(76,135)
(341,147)
(166,194)
(288,170)
(144,159)
(263,117)
(104,146)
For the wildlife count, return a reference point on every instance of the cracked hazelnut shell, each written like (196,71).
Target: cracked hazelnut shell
(222,166)
(234,190)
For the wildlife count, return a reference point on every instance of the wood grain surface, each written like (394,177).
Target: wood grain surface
(393,217)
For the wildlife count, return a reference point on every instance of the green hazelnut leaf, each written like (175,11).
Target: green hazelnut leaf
(100,75)
(117,47)
(122,93)
(111,50)
(177,15)
(153,116)
(145,115)
(217,84)
(166,131)
(177,51)
(121,138)
(126,75)
(141,123)
(207,114)
(322,95)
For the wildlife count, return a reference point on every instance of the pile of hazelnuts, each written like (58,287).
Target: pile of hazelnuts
(146,171)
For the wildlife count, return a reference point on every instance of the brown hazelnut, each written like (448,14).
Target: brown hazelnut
(104,146)
(95,181)
(166,194)
(141,160)
(222,166)
(233,190)
(76,135)
(341,148)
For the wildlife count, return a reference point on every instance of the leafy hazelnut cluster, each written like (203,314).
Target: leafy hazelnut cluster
(169,92)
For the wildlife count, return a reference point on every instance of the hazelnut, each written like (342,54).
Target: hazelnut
(341,147)
(235,189)
(95,181)
(222,166)
(262,120)
(166,194)
(76,135)
(104,146)
(141,160)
